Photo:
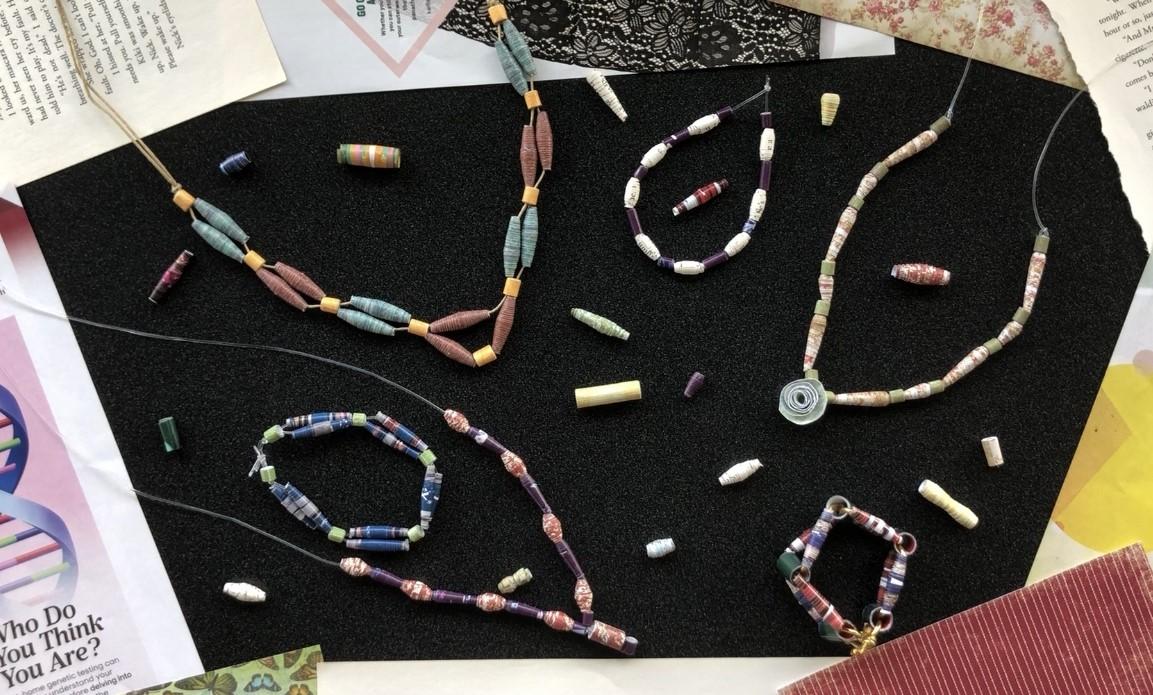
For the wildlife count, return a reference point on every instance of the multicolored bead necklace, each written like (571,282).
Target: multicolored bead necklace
(796,565)
(657,153)
(377,316)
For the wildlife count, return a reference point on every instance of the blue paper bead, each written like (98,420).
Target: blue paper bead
(512,248)
(235,163)
(381,309)
(378,546)
(512,69)
(528,239)
(214,238)
(365,322)
(519,48)
(379,532)
(219,219)
(318,429)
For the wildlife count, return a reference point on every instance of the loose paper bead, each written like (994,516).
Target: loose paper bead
(514,581)
(170,277)
(768,144)
(598,82)
(217,240)
(688,267)
(740,472)
(169,434)
(992,448)
(660,547)
(281,289)
(503,324)
(459,321)
(632,192)
(244,592)
(700,196)
(829,104)
(220,220)
(544,140)
(372,156)
(528,155)
(647,246)
(960,513)
(450,349)
(696,382)
(365,322)
(380,309)
(530,231)
(704,124)
(757,206)
(519,48)
(738,243)
(599,324)
(299,281)
(512,70)
(620,392)
(235,163)
(921,274)
(654,156)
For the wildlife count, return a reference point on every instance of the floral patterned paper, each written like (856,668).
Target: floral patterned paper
(1015,34)
(290,673)
(652,35)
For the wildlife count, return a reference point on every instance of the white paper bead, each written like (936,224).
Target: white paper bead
(244,592)
(937,495)
(647,246)
(688,267)
(704,124)
(660,547)
(737,243)
(992,448)
(740,472)
(632,192)
(654,156)
(598,82)
(768,144)
(757,207)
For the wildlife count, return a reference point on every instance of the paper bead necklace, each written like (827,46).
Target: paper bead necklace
(657,153)
(796,565)
(377,316)
(376,537)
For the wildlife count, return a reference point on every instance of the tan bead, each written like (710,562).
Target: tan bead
(483,356)
(417,327)
(254,260)
(511,287)
(593,396)
(531,193)
(330,305)
(497,13)
(183,199)
(532,99)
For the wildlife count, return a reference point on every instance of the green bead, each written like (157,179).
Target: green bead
(828,268)
(268,474)
(512,246)
(856,202)
(827,632)
(529,233)
(512,69)
(415,534)
(822,307)
(365,322)
(1021,315)
(993,346)
(214,238)
(941,125)
(219,219)
(169,434)
(812,374)
(519,48)
(788,563)
(336,534)
(427,457)
(1041,243)
(358,419)
(936,386)
(879,170)
(897,396)
(273,434)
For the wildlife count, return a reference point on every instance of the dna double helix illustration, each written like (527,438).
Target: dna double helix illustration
(37,557)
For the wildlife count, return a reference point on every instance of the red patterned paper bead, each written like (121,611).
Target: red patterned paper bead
(607,635)
(513,464)
(490,603)
(558,621)
(552,528)
(921,274)
(417,591)
(355,567)
(583,593)
(456,421)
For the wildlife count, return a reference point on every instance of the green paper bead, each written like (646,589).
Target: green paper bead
(415,534)
(519,48)
(217,240)
(856,202)
(788,563)
(365,322)
(336,534)
(1021,316)
(822,307)
(169,434)
(993,346)
(896,396)
(268,474)
(511,68)
(529,233)
(358,419)
(381,309)
(937,386)
(829,268)
(1041,243)
(220,219)
(879,170)
(427,457)
(512,246)
(273,434)
(941,125)
(826,631)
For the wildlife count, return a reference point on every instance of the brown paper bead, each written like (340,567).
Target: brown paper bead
(450,349)
(528,155)
(503,325)
(458,321)
(544,140)
(299,281)
(281,289)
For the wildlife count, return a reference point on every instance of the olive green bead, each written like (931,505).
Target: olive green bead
(828,268)
(427,457)
(936,386)
(788,563)
(856,202)
(897,396)
(1021,315)
(1041,243)
(337,534)
(941,125)
(993,346)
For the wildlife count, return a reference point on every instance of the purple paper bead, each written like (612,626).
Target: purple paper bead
(725,113)
(442,596)
(587,620)
(682,134)
(716,259)
(634,221)
(533,490)
(524,610)
(665,262)
(766,173)
(385,577)
(696,381)
(767,119)
(569,558)
(641,171)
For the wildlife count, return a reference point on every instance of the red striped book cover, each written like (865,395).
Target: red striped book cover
(1086,630)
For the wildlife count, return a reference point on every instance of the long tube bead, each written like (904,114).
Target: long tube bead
(377,546)
(450,349)
(459,321)
(299,505)
(1033,282)
(380,309)
(299,281)
(365,322)
(530,231)
(217,240)
(404,433)
(281,289)
(390,440)
(429,496)
(813,341)
(512,70)
(937,495)
(220,220)
(600,324)
(503,324)
(379,532)
(544,140)
(312,418)
(867,399)
(319,428)
(170,277)
(512,246)
(700,196)
(921,274)
(528,156)
(918,144)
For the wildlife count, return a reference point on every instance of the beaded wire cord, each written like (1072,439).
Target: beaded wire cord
(796,565)
(756,208)
(376,537)
(377,316)
(586,626)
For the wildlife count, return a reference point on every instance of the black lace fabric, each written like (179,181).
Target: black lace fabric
(651,35)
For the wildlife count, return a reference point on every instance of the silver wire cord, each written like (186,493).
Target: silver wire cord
(968,61)
(1041,159)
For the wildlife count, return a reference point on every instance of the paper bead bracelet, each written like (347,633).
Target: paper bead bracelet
(796,564)
(376,316)
(657,153)
(376,537)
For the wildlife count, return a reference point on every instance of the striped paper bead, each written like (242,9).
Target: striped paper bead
(372,156)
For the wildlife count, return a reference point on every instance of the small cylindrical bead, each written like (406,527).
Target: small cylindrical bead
(503,324)
(298,281)
(170,277)
(660,547)
(634,221)
(937,495)
(921,274)
(528,155)
(379,532)
(452,597)
(695,384)
(992,448)
(714,260)
(385,577)
(544,140)
(282,289)
(592,396)
(698,198)
(766,175)
(376,546)
(450,349)
(570,560)
(235,163)
(372,156)
(458,321)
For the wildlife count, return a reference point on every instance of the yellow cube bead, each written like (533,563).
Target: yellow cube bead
(497,13)
(183,199)
(511,287)
(484,355)
(532,99)
(330,305)
(417,327)
(531,193)
(254,260)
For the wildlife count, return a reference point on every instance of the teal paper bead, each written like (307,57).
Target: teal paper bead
(381,309)
(528,237)
(219,219)
(512,246)
(511,68)
(519,48)
(365,322)
(218,241)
